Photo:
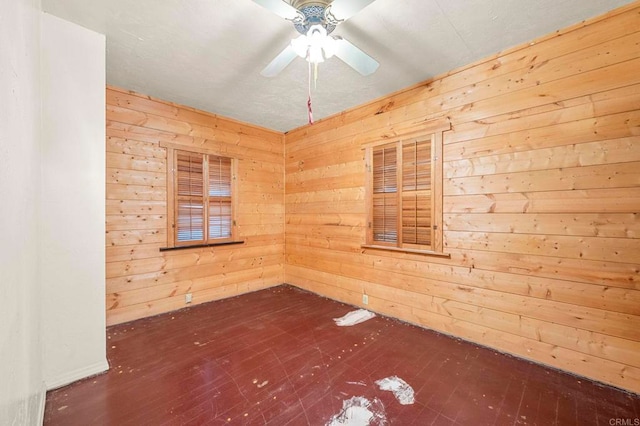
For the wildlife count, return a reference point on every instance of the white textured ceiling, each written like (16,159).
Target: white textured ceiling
(208,54)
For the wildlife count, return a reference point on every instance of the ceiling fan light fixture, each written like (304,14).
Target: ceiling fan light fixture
(300,46)
(315,46)
(317,37)
(315,55)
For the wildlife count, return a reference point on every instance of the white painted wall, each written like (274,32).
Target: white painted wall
(72,207)
(52,132)
(21,387)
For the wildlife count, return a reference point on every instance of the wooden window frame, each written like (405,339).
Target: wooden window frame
(172,205)
(435,132)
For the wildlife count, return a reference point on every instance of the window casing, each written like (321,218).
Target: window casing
(201,196)
(404,194)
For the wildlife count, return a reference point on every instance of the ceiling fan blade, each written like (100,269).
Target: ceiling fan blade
(279,7)
(345,9)
(280,62)
(354,57)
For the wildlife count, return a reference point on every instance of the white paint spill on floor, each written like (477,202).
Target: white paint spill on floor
(401,389)
(359,411)
(354,317)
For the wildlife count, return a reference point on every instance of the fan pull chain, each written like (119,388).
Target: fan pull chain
(310,111)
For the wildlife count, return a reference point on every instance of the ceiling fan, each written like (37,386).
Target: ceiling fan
(315,20)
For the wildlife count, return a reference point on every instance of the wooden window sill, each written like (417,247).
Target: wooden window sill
(225,243)
(407,250)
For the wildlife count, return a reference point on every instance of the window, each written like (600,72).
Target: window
(200,198)
(404,195)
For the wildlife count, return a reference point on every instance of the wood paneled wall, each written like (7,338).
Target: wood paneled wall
(142,281)
(541,203)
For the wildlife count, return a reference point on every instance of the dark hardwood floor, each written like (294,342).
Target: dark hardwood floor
(277,357)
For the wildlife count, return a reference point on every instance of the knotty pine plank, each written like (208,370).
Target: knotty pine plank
(150,279)
(139,102)
(132,147)
(624,99)
(135,177)
(143,134)
(622,150)
(609,225)
(130,313)
(133,222)
(610,200)
(130,297)
(186,258)
(624,250)
(425,277)
(154,122)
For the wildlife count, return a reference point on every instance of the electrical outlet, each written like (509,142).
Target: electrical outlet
(365,299)
(187,298)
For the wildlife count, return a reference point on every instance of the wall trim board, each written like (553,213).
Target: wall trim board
(42,401)
(75,375)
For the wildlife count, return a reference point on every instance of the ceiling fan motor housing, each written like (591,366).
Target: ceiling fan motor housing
(315,13)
